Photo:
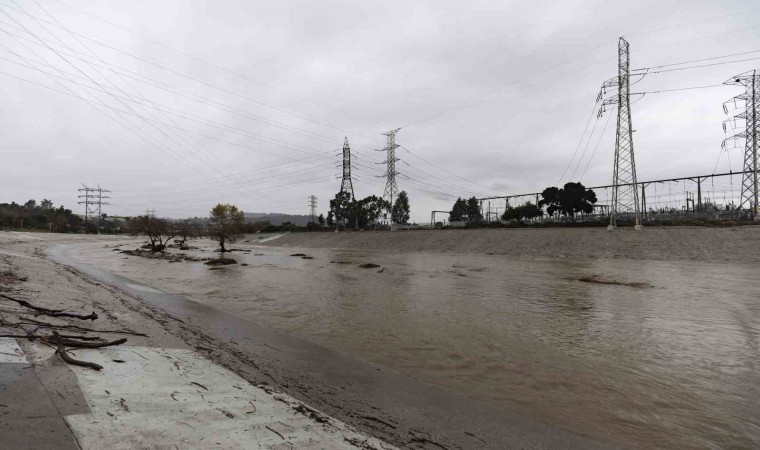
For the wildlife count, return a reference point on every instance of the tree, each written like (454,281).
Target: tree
(31,216)
(530,211)
(550,199)
(226,224)
(46,204)
(188,228)
(400,213)
(570,200)
(367,210)
(527,211)
(458,211)
(473,210)
(340,207)
(330,219)
(158,231)
(321,220)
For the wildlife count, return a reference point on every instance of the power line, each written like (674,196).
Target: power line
(701,66)
(172,89)
(195,58)
(596,147)
(656,30)
(695,60)
(444,170)
(580,141)
(195,79)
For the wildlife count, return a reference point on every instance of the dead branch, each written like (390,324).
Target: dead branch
(91,316)
(66,357)
(83,329)
(198,384)
(29,305)
(274,431)
(74,343)
(50,312)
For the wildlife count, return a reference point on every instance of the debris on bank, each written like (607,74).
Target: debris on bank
(27,326)
(222,261)
(599,279)
(171,257)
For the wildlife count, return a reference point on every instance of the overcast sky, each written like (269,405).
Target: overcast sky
(178,105)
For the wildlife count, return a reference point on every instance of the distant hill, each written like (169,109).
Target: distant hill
(277,218)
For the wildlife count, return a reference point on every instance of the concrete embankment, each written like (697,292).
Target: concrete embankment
(735,244)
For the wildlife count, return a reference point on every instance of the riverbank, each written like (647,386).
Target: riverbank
(370,400)
(737,244)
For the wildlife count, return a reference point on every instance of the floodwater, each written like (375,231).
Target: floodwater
(669,363)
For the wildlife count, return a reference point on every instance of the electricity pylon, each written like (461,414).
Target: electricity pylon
(313,208)
(751,135)
(391,189)
(346,185)
(93,201)
(625,193)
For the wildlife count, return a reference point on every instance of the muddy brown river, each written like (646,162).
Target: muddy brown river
(666,358)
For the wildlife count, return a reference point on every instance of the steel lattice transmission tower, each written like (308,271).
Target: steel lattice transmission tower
(751,135)
(625,193)
(93,200)
(346,185)
(313,208)
(391,189)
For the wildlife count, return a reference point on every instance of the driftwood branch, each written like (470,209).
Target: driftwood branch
(50,312)
(66,357)
(30,306)
(83,329)
(73,343)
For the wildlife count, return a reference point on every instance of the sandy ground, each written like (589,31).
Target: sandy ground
(736,244)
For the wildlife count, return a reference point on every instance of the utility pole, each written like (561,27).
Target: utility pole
(751,135)
(313,208)
(346,185)
(625,193)
(391,190)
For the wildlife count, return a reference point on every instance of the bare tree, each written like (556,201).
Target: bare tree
(158,231)
(187,229)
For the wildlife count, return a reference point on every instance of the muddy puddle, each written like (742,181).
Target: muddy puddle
(634,353)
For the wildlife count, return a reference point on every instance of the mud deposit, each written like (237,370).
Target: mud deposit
(673,366)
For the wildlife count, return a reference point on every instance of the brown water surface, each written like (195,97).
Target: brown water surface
(670,361)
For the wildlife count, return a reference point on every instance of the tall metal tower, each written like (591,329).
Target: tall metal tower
(346,185)
(751,135)
(391,189)
(93,201)
(625,194)
(313,208)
